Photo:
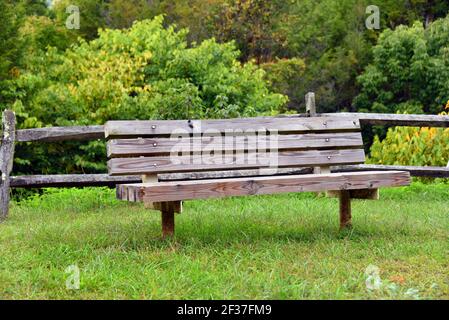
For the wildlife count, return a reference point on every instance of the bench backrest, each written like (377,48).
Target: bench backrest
(166,146)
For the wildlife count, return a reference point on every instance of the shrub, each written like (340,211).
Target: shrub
(409,72)
(412,146)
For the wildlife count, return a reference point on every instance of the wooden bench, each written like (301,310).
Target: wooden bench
(267,145)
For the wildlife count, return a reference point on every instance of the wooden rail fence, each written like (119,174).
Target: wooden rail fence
(10,136)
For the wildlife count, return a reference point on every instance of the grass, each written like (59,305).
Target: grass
(263,247)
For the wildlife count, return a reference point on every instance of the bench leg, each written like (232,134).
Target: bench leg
(345,209)
(168,219)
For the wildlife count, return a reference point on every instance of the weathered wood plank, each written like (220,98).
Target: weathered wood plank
(151,128)
(6,160)
(86,180)
(409,120)
(155,146)
(52,134)
(146,165)
(100,180)
(310,104)
(431,172)
(71,180)
(202,175)
(187,190)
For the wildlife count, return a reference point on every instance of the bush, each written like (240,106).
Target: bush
(412,146)
(145,72)
(409,72)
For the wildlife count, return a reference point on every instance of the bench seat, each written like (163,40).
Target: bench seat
(219,188)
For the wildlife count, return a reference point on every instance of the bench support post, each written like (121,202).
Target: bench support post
(168,219)
(345,209)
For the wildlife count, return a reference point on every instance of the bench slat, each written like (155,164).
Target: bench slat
(151,128)
(147,165)
(155,146)
(217,188)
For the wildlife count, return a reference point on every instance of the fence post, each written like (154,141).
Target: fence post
(6,159)
(310,104)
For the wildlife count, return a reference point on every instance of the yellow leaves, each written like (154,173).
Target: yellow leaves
(14,72)
(412,146)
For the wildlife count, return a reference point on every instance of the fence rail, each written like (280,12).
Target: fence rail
(10,136)
(54,134)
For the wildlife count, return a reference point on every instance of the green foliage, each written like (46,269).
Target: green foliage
(252,24)
(284,75)
(9,46)
(145,72)
(409,72)
(38,33)
(412,146)
(335,45)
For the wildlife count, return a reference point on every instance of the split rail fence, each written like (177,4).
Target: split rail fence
(11,136)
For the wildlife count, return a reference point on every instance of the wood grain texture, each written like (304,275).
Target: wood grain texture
(151,128)
(157,146)
(146,165)
(52,134)
(202,175)
(71,180)
(345,210)
(168,219)
(187,190)
(408,120)
(431,172)
(6,160)
(310,104)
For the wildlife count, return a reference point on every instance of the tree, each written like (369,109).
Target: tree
(251,23)
(409,72)
(122,14)
(9,47)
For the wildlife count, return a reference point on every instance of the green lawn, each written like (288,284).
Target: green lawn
(267,247)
